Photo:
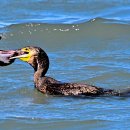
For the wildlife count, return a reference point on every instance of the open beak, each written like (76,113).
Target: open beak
(20,54)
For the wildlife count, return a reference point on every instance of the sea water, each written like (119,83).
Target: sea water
(87,41)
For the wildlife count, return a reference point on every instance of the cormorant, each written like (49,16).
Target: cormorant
(39,60)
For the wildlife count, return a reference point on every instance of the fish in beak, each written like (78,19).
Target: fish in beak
(5,57)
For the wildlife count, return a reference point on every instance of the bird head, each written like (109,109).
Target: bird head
(35,56)
(27,54)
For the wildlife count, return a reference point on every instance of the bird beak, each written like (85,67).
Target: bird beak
(20,54)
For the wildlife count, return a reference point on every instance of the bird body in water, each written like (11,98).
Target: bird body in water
(39,60)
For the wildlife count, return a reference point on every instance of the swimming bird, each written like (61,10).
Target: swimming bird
(39,60)
(5,57)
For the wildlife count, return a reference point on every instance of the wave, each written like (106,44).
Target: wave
(66,21)
(88,34)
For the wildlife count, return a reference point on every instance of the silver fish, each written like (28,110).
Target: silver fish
(5,57)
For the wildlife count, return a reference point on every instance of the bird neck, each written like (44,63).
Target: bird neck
(40,65)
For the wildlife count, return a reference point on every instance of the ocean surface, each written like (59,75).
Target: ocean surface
(87,41)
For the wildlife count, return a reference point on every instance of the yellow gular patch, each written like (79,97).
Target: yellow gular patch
(25,57)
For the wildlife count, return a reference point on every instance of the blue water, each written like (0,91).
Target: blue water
(87,41)
(60,11)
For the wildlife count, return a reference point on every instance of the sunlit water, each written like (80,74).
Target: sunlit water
(86,41)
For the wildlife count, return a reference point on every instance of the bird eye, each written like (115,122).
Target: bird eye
(25,49)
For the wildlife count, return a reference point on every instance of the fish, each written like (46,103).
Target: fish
(5,57)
